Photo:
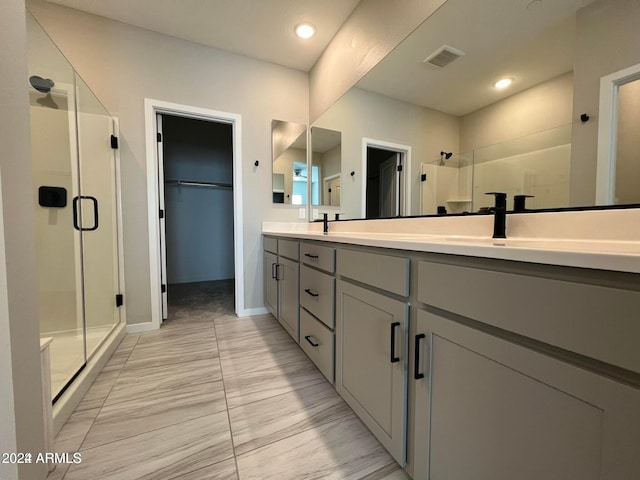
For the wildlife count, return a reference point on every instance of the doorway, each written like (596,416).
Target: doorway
(386,170)
(195,208)
(197,239)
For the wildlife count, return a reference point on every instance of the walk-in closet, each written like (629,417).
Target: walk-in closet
(197,157)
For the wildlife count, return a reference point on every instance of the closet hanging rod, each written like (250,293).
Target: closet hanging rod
(188,183)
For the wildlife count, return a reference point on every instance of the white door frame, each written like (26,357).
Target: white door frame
(405,150)
(328,179)
(151,108)
(608,132)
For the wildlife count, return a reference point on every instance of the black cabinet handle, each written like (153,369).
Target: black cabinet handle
(416,367)
(394,359)
(278,278)
(310,256)
(76,224)
(273,270)
(308,339)
(311,292)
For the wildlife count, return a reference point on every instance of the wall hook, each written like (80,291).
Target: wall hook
(256,163)
(584,118)
(352,173)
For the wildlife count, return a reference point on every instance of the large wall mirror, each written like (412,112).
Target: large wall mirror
(289,154)
(326,165)
(534,134)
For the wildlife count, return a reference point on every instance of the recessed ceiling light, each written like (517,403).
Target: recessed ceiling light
(503,83)
(305,30)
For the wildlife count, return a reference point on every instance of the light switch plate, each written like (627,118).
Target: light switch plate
(315,213)
(302,212)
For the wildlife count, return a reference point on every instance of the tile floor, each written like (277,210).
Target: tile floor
(213,396)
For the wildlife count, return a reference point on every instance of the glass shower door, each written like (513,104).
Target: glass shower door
(98,218)
(55,176)
(74,180)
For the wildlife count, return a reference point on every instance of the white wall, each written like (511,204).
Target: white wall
(20,384)
(542,107)
(617,21)
(360,114)
(123,65)
(331,161)
(199,221)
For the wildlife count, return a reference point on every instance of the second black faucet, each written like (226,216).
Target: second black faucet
(499,215)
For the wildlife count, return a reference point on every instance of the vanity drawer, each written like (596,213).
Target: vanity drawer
(381,271)
(317,294)
(317,341)
(589,319)
(271,245)
(318,256)
(288,249)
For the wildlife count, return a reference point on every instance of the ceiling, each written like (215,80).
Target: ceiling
(261,29)
(529,40)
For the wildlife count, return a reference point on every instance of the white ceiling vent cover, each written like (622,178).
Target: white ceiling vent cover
(443,56)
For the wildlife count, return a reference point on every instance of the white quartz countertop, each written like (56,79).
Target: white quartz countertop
(601,254)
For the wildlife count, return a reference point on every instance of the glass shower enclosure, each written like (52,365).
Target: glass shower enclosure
(76,211)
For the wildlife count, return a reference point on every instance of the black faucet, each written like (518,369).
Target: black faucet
(499,215)
(325,223)
(519,202)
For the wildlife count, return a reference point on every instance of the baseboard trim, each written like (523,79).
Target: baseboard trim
(250,312)
(141,327)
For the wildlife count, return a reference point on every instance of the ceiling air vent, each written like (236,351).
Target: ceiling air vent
(443,56)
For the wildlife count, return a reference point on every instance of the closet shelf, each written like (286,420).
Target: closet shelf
(189,183)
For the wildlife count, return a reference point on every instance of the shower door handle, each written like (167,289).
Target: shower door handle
(76,224)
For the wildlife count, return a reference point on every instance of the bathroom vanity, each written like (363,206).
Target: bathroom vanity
(469,357)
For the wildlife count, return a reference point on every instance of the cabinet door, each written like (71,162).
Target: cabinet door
(288,295)
(489,409)
(371,362)
(270,283)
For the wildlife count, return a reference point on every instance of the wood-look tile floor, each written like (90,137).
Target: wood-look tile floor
(213,396)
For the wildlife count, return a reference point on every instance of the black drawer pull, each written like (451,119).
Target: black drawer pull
(394,359)
(416,367)
(310,256)
(311,292)
(273,270)
(308,339)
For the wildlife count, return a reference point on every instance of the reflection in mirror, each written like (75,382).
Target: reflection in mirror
(289,153)
(446,184)
(326,161)
(627,161)
(527,138)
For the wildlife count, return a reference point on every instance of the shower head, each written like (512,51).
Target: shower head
(43,85)
(444,156)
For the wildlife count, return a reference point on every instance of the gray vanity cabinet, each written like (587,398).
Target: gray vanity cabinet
(371,361)
(490,409)
(317,305)
(288,296)
(270,282)
(281,275)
